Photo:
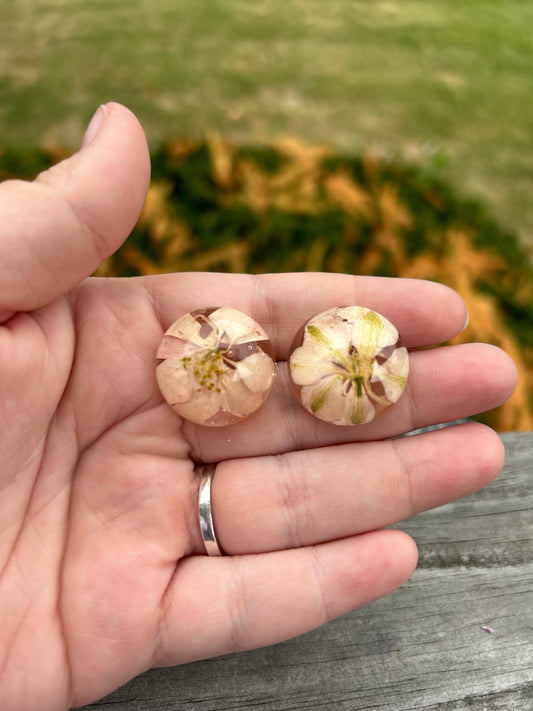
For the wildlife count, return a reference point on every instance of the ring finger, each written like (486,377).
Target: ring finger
(302,498)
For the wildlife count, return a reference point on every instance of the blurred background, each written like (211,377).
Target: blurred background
(376,137)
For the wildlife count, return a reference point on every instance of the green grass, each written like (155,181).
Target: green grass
(444,84)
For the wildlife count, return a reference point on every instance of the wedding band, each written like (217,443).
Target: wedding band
(204,511)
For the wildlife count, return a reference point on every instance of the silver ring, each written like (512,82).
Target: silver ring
(204,511)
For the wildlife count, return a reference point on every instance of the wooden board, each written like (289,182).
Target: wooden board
(424,647)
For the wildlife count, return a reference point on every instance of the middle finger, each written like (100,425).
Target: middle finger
(445,384)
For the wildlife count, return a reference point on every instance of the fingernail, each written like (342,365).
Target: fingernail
(466,323)
(94,125)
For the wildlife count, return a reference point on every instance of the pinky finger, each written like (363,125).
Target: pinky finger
(220,605)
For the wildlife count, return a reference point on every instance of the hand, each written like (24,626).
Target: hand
(103,571)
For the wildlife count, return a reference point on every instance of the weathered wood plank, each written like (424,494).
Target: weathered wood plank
(424,647)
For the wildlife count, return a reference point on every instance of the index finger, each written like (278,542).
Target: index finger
(425,313)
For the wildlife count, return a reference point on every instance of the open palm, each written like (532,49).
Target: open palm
(103,571)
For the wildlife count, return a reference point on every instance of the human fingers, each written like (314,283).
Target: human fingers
(425,313)
(304,498)
(58,229)
(445,384)
(216,606)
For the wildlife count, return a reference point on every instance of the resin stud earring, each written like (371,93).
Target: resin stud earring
(217,366)
(348,366)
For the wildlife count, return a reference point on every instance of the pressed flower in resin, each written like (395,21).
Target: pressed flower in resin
(216,367)
(348,365)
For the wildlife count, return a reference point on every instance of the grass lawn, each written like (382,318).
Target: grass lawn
(445,84)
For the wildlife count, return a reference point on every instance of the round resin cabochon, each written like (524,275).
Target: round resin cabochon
(217,366)
(348,366)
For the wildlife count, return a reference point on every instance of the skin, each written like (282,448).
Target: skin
(103,573)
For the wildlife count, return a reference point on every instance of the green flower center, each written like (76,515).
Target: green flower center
(206,369)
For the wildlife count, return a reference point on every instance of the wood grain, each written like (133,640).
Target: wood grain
(423,648)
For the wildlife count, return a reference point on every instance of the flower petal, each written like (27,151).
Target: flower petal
(257,372)
(202,407)
(326,399)
(393,374)
(175,381)
(236,398)
(359,409)
(332,329)
(371,333)
(173,347)
(240,327)
(309,365)
(189,328)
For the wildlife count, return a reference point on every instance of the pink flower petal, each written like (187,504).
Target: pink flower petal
(175,382)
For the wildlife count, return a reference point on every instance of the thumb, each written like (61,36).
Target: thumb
(55,231)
